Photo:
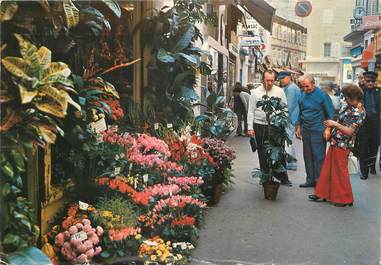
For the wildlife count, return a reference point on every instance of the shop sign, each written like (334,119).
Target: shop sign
(233,49)
(251,41)
(371,22)
(377,40)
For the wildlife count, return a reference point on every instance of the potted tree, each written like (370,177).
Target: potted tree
(277,120)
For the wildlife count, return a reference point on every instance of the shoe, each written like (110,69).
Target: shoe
(364,177)
(307,185)
(286,183)
(315,198)
(373,170)
(342,204)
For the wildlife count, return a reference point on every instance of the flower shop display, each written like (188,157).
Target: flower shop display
(156,250)
(79,243)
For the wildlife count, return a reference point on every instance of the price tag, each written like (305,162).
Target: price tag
(193,155)
(156,126)
(113,128)
(122,155)
(169,125)
(83,206)
(145,178)
(80,235)
(125,134)
(117,170)
(99,126)
(130,167)
(117,157)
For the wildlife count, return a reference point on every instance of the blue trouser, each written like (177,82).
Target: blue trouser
(291,149)
(314,148)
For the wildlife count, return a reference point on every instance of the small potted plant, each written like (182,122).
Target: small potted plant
(276,155)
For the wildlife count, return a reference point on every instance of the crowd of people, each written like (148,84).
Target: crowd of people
(346,118)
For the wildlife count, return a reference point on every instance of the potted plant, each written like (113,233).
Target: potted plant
(277,121)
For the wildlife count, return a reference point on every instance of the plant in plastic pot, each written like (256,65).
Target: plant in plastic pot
(274,144)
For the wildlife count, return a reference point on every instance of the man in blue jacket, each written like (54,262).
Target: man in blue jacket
(315,107)
(292,92)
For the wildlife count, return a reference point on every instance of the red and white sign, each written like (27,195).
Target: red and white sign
(371,22)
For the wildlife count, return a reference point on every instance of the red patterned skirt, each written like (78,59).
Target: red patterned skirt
(334,183)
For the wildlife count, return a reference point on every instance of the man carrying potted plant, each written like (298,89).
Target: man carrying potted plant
(257,122)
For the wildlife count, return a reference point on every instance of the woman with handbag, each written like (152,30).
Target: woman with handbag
(334,182)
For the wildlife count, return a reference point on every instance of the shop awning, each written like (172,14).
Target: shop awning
(260,11)
(367,55)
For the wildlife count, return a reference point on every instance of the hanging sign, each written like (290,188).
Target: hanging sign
(303,8)
(251,41)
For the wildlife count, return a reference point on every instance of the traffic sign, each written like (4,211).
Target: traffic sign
(303,8)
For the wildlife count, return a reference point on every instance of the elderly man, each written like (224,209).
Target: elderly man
(369,134)
(292,92)
(315,107)
(256,119)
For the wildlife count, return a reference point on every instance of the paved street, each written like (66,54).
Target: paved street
(246,229)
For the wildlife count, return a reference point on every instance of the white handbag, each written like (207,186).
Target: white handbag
(353,165)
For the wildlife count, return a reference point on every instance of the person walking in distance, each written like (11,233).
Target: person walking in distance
(256,120)
(334,184)
(369,134)
(292,92)
(239,109)
(315,107)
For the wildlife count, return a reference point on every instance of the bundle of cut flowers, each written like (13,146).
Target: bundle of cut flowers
(222,154)
(79,244)
(156,250)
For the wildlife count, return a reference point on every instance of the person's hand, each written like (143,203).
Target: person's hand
(298,133)
(250,133)
(327,133)
(330,123)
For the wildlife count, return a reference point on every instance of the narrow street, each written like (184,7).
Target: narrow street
(247,229)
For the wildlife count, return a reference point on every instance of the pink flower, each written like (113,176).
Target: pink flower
(73,229)
(87,228)
(88,244)
(90,253)
(86,221)
(81,248)
(79,226)
(81,258)
(99,231)
(98,250)
(60,239)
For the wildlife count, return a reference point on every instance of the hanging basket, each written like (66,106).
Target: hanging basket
(271,190)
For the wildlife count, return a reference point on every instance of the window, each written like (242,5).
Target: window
(327,49)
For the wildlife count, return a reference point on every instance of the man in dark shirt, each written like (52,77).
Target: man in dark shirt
(369,134)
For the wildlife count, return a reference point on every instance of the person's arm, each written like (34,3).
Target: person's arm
(328,107)
(250,114)
(298,131)
(293,106)
(356,121)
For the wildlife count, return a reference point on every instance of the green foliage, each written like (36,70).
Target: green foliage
(217,122)
(30,256)
(171,35)
(277,120)
(17,229)
(123,214)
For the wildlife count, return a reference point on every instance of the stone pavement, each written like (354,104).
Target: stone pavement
(246,229)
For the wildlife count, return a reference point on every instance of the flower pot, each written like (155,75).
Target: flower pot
(271,190)
(216,194)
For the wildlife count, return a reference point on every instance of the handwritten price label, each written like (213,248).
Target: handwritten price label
(117,170)
(80,236)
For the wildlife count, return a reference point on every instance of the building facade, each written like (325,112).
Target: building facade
(288,43)
(326,48)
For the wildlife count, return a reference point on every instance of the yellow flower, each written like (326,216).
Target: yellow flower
(153,257)
(159,253)
(168,243)
(138,236)
(106,214)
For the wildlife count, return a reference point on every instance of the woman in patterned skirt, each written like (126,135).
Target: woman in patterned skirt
(334,183)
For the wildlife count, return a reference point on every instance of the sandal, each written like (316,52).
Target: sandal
(315,198)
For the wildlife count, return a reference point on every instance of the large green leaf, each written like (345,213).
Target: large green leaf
(26,95)
(71,13)
(58,110)
(95,14)
(114,6)
(55,69)
(189,94)
(191,58)
(164,56)
(28,50)
(184,40)
(29,256)
(7,10)
(17,66)
(45,56)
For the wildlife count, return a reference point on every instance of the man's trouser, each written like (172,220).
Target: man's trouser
(314,148)
(261,134)
(369,140)
(291,148)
